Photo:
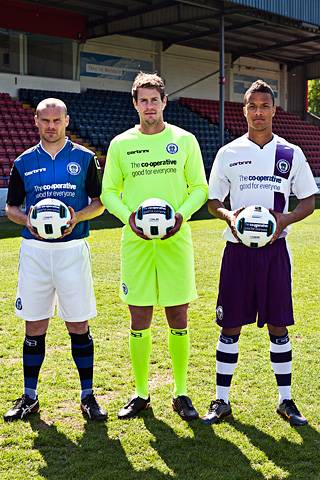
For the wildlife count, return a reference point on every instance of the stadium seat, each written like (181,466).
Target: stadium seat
(287,125)
(91,122)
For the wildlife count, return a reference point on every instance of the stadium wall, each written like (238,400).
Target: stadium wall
(313,70)
(131,50)
(297,90)
(112,62)
(180,66)
(3,198)
(246,70)
(297,86)
(10,83)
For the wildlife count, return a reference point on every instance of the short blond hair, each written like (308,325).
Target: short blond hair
(148,80)
(51,103)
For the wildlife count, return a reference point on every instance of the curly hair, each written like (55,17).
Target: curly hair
(258,86)
(148,80)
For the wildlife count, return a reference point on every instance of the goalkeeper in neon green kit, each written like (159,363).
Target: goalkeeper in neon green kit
(155,159)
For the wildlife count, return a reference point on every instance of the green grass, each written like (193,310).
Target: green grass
(255,444)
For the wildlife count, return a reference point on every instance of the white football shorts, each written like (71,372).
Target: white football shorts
(55,274)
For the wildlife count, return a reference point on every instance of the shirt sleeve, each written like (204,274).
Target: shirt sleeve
(93,178)
(16,189)
(196,180)
(219,185)
(112,185)
(303,183)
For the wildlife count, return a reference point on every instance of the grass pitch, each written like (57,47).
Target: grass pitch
(256,444)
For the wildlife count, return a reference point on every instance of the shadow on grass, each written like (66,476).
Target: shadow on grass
(299,459)
(204,456)
(94,457)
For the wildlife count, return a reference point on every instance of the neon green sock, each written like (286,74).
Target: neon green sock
(140,349)
(179,347)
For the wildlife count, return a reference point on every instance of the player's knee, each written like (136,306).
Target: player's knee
(36,328)
(177,316)
(140,323)
(140,317)
(231,331)
(178,323)
(77,327)
(277,331)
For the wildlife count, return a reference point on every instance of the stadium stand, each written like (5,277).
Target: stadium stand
(285,124)
(96,116)
(17,133)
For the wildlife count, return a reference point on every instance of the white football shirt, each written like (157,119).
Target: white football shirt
(255,175)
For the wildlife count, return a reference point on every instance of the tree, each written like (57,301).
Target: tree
(314,96)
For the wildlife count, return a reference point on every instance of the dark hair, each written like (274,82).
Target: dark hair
(148,80)
(258,86)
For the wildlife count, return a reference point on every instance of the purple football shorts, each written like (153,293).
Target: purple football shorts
(255,282)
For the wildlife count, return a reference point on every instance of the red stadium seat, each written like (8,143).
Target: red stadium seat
(4,160)
(285,124)
(17,141)
(10,150)
(6,170)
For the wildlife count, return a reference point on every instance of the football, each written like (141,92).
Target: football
(155,218)
(255,226)
(49,218)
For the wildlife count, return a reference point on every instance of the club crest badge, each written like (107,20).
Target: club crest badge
(283,165)
(18,304)
(219,312)
(73,168)
(172,148)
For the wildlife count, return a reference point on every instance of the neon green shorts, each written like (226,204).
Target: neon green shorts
(157,272)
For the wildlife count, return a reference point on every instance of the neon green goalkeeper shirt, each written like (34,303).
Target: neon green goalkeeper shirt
(166,165)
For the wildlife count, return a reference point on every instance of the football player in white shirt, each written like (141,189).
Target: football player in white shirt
(259,168)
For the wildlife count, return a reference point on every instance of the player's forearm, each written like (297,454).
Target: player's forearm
(114,205)
(16,215)
(91,211)
(304,208)
(194,201)
(218,210)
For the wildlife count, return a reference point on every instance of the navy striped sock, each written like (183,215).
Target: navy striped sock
(33,356)
(281,361)
(82,353)
(226,362)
